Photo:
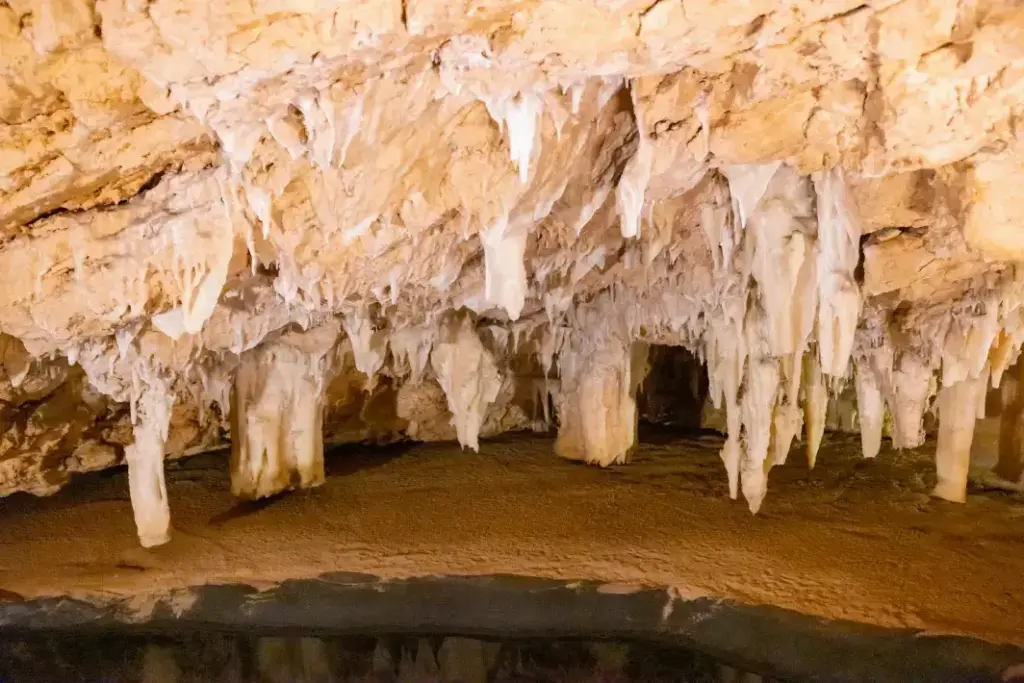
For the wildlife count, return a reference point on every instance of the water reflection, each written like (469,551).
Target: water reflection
(234,658)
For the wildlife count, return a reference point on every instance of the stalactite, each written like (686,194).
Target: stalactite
(410,348)
(870,408)
(727,358)
(748,184)
(504,268)
(522,117)
(469,376)
(838,255)
(873,381)
(785,427)
(911,384)
(815,403)
(783,267)
(368,345)
(632,186)
(277,413)
(152,401)
(760,394)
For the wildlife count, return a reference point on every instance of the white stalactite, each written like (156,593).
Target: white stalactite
(201,271)
(629,193)
(1004,353)
(778,206)
(870,407)
(520,116)
(727,357)
(469,377)
(967,344)
(785,428)
(747,185)
(410,347)
(838,255)
(277,413)
(505,267)
(152,401)
(911,385)
(873,381)
(760,396)
(523,120)
(369,346)
(783,263)
(957,409)
(632,186)
(758,406)
(815,401)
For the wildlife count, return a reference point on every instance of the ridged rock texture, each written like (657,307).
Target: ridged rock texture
(279,222)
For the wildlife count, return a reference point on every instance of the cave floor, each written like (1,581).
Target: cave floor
(852,539)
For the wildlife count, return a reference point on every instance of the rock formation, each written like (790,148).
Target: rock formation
(279,222)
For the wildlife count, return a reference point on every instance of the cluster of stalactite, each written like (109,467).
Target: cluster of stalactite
(783,327)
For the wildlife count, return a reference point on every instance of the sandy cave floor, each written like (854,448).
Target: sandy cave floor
(853,539)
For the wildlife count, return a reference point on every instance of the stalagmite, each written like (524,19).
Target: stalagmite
(277,413)
(957,409)
(152,401)
(469,377)
(597,399)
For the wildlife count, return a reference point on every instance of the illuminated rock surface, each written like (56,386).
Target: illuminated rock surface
(280,223)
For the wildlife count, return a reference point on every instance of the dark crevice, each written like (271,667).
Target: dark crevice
(150,184)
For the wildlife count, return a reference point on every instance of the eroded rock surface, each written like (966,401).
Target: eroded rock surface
(495,210)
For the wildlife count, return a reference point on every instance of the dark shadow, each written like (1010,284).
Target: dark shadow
(1011,434)
(661,434)
(107,485)
(246,508)
(675,389)
(339,461)
(349,458)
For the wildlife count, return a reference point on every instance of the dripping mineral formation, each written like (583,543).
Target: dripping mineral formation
(284,223)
